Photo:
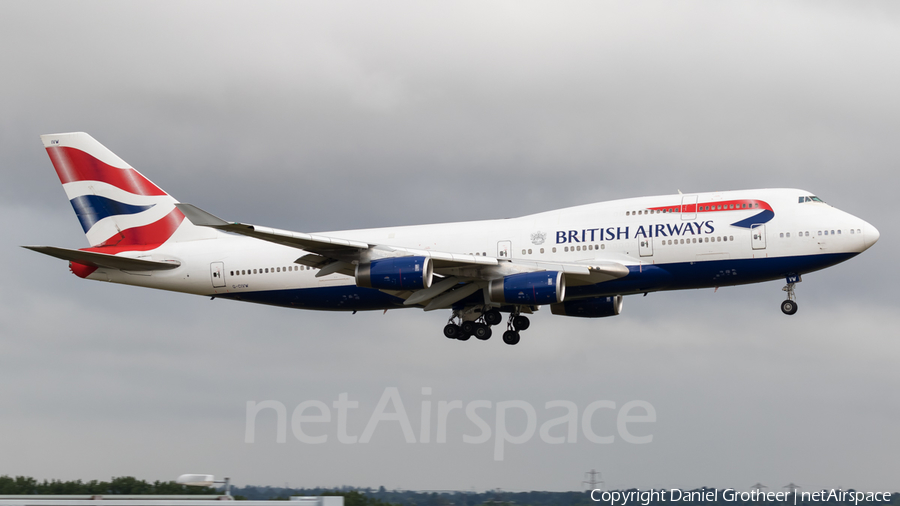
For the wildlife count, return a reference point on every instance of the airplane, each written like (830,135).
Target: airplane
(580,260)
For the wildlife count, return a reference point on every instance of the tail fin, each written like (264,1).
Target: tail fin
(116,205)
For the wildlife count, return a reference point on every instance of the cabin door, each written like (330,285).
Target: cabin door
(645,246)
(758,236)
(504,249)
(217,274)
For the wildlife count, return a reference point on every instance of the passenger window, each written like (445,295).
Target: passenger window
(554,249)
(542,250)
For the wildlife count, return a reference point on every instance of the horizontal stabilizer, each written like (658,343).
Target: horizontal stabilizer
(105,260)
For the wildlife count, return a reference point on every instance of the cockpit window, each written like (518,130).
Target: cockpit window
(811,198)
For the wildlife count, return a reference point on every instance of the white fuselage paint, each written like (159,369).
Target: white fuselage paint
(797,231)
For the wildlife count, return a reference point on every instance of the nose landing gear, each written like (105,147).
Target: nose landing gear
(789,306)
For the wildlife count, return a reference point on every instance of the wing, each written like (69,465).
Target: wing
(461,275)
(105,260)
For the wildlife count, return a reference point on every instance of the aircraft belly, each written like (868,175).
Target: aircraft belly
(326,298)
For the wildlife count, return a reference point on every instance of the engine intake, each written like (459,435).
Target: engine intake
(546,287)
(598,307)
(403,273)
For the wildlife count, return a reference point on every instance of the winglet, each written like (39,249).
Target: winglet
(200,217)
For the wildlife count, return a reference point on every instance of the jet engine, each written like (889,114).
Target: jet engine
(402,273)
(597,307)
(532,288)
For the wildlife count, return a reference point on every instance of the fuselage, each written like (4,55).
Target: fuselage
(667,242)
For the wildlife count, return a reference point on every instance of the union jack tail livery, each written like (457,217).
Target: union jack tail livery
(119,209)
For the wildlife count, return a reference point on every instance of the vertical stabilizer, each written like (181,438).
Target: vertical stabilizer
(115,204)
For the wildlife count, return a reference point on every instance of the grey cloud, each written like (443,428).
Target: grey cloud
(315,117)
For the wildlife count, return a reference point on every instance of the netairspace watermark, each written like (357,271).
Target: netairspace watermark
(390,410)
(647,497)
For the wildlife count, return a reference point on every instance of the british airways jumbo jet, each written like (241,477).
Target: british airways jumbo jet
(580,260)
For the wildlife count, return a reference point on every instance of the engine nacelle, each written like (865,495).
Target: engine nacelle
(402,273)
(533,288)
(589,308)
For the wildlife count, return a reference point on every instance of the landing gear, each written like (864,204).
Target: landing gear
(478,320)
(493,317)
(521,322)
(464,324)
(483,332)
(789,306)
(511,337)
(451,331)
(516,324)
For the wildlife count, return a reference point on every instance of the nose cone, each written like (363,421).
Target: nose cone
(870,235)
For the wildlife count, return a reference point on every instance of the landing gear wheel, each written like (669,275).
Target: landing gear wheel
(788,307)
(511,337)
(464,336)
(493,317)
(482,332)
(468,327)
(521,323)
(451,331)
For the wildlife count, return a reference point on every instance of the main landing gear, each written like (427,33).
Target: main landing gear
(471,324)
(789,306)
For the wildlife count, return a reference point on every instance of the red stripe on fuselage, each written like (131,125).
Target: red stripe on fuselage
(722,205)
(75,165)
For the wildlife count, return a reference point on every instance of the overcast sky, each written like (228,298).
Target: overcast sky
(322,116)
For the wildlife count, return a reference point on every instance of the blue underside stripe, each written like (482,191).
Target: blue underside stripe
(649,278)
(92,208)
